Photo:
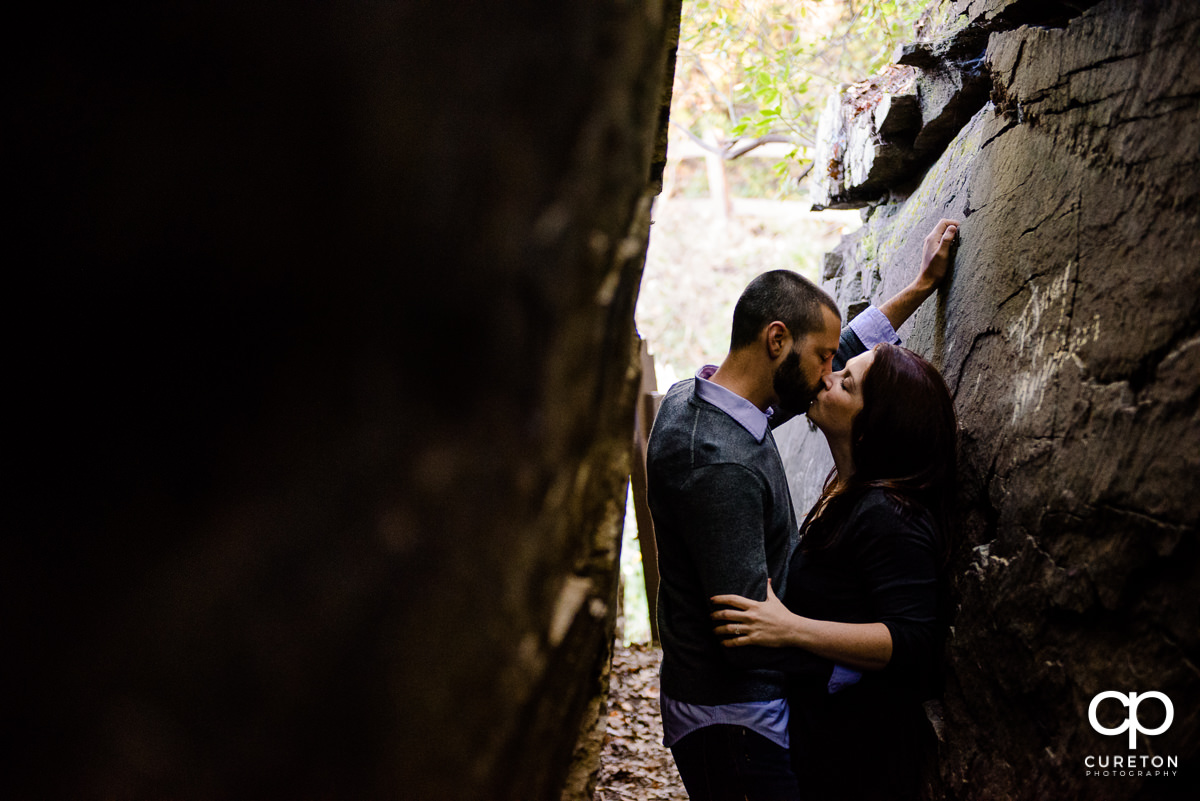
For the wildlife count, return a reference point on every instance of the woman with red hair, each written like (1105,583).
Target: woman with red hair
(863,624)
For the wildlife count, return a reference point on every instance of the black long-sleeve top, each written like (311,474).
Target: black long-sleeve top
(884,568)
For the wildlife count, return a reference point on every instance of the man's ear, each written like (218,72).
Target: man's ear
(778,338)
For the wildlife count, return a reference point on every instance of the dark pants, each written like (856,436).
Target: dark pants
(861,744)
(733,763)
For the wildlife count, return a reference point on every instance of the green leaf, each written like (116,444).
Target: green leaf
(768,97)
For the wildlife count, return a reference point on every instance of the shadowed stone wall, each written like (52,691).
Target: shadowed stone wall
(321,362)
(1069,334)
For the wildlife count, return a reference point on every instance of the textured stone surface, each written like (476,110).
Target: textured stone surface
(863,158)
(321,371)
(865,139)
(1069,334)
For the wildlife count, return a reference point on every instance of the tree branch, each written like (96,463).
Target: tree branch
(728,98)
(735,149)
(711,148)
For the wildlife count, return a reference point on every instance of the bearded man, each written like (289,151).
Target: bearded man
(724,520)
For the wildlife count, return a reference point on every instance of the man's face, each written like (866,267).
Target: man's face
(798,377)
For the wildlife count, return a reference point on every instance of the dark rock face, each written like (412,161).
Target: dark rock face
(1069,334)
(322,368)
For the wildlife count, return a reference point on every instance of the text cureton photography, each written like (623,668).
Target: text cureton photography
(1131,765)
(1134,764)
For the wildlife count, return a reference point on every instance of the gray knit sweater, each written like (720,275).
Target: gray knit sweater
(724,523)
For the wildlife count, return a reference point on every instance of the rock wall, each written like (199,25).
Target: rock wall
(320,368)
(1069,334)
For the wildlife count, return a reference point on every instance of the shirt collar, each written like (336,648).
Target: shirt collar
(747,415)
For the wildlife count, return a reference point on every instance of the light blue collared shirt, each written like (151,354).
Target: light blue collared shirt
(768,718)
(745,413)
(872,327)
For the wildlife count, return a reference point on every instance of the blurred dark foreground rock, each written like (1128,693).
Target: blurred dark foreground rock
(320,367)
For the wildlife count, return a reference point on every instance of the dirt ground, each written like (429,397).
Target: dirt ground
(634,763)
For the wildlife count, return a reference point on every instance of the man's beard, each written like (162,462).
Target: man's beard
(794,391)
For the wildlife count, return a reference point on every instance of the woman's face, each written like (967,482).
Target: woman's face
(840,398)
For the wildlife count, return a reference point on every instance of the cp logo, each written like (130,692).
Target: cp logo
(1132,724)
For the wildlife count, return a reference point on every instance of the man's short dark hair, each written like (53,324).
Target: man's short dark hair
(779,295)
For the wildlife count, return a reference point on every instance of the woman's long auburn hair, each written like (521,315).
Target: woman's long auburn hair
(904,441)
